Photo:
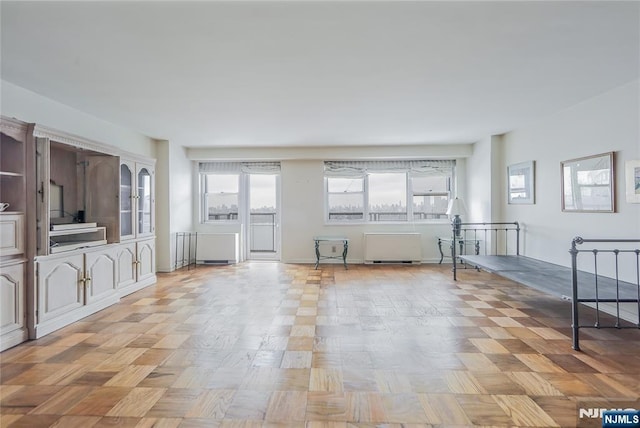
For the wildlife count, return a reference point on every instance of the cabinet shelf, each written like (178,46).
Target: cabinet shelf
(61,247)
(73,239)
(73,232)
(73,229)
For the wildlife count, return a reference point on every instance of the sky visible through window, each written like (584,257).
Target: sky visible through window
(388,192)
(224,189)
(262,193)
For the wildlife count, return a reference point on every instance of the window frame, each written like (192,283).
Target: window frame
(406,196)
(204,204)
(364,193)
(411,194)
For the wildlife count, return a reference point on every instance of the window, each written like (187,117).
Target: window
(387,196)
(388,191)
(220,196)
(224,187)
(345,198)
(430,196)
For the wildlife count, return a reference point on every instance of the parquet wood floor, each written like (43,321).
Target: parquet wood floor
(277,345)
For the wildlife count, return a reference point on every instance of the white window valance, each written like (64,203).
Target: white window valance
(414,167)
(239,167)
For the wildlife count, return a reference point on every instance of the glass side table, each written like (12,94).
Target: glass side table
(345,247)
(462,245)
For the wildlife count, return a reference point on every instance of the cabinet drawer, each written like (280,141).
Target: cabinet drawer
(11,234)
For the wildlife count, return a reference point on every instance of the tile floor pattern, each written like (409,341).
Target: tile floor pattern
(269,344)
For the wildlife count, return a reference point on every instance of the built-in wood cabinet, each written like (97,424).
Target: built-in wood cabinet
(96,227)
(16,163)
(78,232)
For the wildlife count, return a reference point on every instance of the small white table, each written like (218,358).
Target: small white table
(345,247)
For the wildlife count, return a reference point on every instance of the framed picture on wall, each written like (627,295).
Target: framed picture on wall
(521,183)
(588,184)
(632,175)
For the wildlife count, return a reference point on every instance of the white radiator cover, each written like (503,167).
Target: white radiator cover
(218,248)
(392,247)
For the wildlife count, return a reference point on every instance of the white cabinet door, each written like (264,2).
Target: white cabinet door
(127,265)
(100,274)
(146,259)
(145,200)
(137,200)
(11,298)
(60,286)
(127,200)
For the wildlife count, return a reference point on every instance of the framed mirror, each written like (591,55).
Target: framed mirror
(632,178)
(588,184)
(521,183)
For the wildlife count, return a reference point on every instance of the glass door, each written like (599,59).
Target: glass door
(144,202)
(126,197)
(263,226)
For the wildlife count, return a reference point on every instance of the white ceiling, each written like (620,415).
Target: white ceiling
(274,73)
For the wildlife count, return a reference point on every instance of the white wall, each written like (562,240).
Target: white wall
(302,196)
(479,201)
(30,107)
(173,202)
(485,180)
(163,207)
(181,195)
(609,122)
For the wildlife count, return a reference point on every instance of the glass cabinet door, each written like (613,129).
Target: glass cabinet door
(144,199)
(126,198)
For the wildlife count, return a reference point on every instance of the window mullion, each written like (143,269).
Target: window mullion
(409,188)
(204,200)
(244,216)
(365,187)
(326,200)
